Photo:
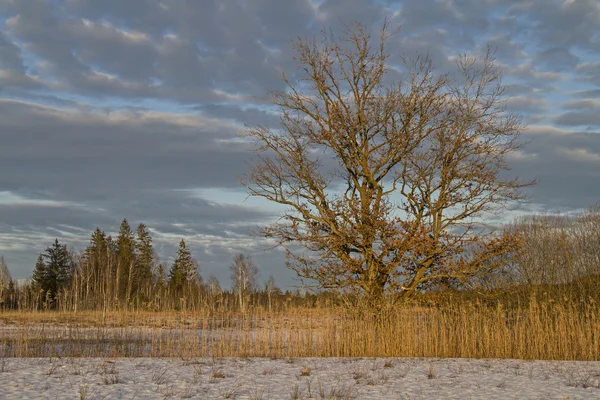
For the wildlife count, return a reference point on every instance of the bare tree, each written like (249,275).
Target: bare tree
(386,183)
(557,249)
(214,292)
(243,278)
(4,273)
(5,279)
(270,288)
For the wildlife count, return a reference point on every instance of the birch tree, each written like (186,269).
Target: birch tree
(243,278)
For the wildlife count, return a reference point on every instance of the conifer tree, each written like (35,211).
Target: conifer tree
(39,274)
(53,270)
(145,255)
(185,269)
(125,260)
(59,265)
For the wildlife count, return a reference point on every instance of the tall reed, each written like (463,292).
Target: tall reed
(565,330)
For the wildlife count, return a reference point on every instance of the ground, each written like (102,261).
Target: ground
(296,378)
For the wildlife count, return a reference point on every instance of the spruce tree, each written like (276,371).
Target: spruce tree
(184,269)
(54,269)
(144,257)
(39,274)
(125,260)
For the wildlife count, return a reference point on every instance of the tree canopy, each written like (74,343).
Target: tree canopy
(386,183)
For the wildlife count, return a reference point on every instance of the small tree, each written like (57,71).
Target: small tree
(270,289)
(184,271)
(243,278)
(125,261)
(53,271)
(386,183)
(4,273)
(5,280)
(39,277)
(161,278)
(213,291)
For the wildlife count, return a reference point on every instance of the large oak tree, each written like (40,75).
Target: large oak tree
(386,183)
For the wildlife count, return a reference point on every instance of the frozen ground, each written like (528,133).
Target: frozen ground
(298,378)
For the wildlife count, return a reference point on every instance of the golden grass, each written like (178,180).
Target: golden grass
(540,330)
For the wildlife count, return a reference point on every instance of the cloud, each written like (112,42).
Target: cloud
(10,55)
(527,104)
(581,154)
(590,72)
(556,59)
(112,109)
(565,162)
(589,117)
(583,104)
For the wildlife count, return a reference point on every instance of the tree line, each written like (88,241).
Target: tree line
(126,273)
(558,255)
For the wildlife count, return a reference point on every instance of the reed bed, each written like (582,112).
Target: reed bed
(566,330)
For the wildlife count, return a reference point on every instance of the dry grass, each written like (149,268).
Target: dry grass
(548,330)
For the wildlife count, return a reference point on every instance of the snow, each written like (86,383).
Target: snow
(297,378)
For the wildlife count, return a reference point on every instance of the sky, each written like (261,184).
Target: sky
(133,109)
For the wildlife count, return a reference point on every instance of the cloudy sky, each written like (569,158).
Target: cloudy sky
(113,109)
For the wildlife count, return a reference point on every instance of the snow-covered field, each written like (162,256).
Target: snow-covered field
(298,378)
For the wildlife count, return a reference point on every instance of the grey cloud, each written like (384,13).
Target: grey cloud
(526,105)
(131,56)
(26,94)
(11,81)
(561,24)
(181,65)
(187,65)
(556,59)
(48,148)
(564,164)
(148,15)
(111,107)
(589,117)
(10,55)
(44,219)
(582,104)
(505,49)
(588,93)
(249,115)
(338,12)
(284,20)
(516,89)
(46,35)
(536,77)
(590,72)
